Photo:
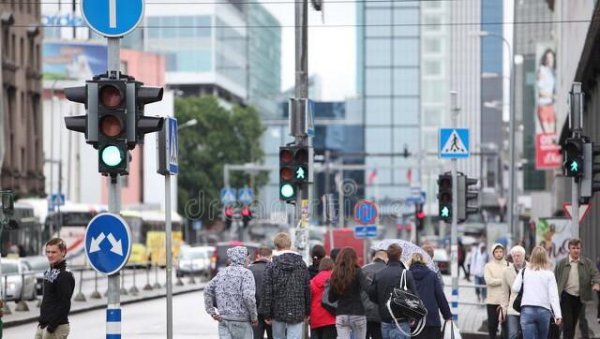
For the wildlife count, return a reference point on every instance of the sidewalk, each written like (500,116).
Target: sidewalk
(22,317)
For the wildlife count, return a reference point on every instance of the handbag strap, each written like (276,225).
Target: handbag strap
(403,280)
(522,280)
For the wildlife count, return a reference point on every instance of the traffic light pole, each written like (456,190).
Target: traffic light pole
(575,120)
(454,229)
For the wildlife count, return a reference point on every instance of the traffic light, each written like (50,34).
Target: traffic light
(246,216)
(228,215)
(293,170)
(464,196)
(87,123)
(140,97)
(573,158)
(419,217)
(113,148)
(590,168)
(445,196)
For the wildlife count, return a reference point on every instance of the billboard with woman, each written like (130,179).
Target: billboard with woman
(546,138)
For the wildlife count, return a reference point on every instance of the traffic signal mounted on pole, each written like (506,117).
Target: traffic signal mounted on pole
(113,148)
(293,171)
(590,168)
(573,165)
(228,216)
(419,217)
(445,197)
(246,216)
(464,196)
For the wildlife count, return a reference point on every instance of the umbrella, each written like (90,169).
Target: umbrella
(408,248)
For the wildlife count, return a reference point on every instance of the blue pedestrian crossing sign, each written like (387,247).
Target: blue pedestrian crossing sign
(454,143)
(228,195)
(107,243)
(112,18)
(246,195)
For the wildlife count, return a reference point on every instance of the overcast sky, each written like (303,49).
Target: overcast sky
(332,50)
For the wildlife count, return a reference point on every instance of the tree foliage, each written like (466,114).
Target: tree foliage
(220,137)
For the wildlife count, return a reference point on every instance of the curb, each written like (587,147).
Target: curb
(35,318)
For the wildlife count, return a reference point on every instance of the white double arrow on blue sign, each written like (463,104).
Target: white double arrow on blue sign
(116,248)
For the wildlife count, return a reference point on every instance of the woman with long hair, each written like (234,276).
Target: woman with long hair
(347,282)
(432,294)
(322,323)
(540,300)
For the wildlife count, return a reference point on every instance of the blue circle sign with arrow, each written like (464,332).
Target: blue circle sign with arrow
(107,243)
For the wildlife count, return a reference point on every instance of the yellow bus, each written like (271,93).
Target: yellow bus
(148,236)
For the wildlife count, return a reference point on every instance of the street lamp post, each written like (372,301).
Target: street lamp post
(511,137)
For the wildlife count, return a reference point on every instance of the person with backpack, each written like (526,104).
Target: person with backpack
(322,322)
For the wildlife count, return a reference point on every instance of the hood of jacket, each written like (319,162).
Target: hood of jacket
(237,255)
(419,271)
(289,261)
(494,247)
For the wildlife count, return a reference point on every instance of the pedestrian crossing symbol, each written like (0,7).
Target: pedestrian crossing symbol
(454,143)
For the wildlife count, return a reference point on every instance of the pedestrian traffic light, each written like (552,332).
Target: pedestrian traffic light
(293,170)
(573,158)
(591,167)
(465,194)
(419,217)
(228,216)
(113,156)
(246,216)
(445,196)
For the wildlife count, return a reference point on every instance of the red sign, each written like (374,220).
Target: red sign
(583,210)
(547,151)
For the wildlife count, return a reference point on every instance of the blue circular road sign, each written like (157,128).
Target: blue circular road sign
(107,243)
(112,18)
(365,212)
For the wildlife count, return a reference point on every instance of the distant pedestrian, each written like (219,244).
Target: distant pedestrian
(509,314)
(461,260)
(58,290)
(576,277)
(380,290)
(432,294)
(380,259)
(334,253)
(263,257)
(316,254)
(347,282)
(322,323)
(230,297)
(540,299)
(494,270)
(285,299)
(479,257)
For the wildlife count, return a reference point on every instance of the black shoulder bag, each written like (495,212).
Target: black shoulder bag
(517,303)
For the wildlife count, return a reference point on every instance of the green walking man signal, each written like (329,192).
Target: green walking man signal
(445,213)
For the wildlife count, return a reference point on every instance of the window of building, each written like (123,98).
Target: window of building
(406,111)
(377,81)
(378,23)
(379,171)
(432,116)
(22,52)
(432,23)
(430,140)
(406,22)
(378,52)
(378,111)
(406,136)
(432,4)
(432,67)
(186,26)
(432,45)
(433,91)
(13,50)
(406,81)
(378,139)
(406,52)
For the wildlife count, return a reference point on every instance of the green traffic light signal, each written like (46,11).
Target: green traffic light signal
(445,212)
(287,191)
(111,156)
(301,174)
(574,166)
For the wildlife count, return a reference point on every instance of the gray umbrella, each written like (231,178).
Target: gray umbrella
(408,248)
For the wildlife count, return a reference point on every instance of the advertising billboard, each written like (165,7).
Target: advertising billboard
(73,60)
(553,234)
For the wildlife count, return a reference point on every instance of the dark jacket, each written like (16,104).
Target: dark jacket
(350,303)
(286,289)
(370,270)
(257,268)
(384,283)
(313,270)
(58,290)
(431,293)
(588,275)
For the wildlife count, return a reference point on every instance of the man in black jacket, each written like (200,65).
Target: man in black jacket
(285,299)
(58,290)
(263,257)
(380,290)
(373,319)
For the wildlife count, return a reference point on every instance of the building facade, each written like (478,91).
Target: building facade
(21,152)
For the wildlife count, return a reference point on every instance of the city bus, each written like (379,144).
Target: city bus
(148,236)
(27,238)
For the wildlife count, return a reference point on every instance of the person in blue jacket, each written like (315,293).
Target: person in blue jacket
(431,293)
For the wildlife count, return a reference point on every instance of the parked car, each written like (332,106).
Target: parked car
(219,257)
(17,282)
(39,265)
(442,260)
(194,260)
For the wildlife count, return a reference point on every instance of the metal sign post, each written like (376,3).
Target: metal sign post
(575,120)
(454,230)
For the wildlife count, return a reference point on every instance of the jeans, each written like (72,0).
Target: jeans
(390,331)
(294,331)
(535,322)
(480,290)
(351,326)
(229,329)
(514,328)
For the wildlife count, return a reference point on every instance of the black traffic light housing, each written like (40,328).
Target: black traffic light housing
(293,170)
(465,194)
(445,197)
(573,162)
(591,167)
(87,123)
(419,217)
(228,216)
(113,127)
(246,215)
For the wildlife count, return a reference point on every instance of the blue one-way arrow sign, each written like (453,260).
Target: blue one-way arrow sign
(112,18)
(107,243)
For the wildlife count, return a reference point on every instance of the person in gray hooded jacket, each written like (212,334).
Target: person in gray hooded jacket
(230,297)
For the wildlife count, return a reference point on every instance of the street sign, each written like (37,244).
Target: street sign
(362,232)
(365,212)
(583,210)
(112,18)
(107,243)
(246,195)
(454,143)
(227,195)
(58,199)
(171,144)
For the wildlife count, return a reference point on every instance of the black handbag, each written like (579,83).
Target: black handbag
(519,298)
(329,306)
(404,304)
